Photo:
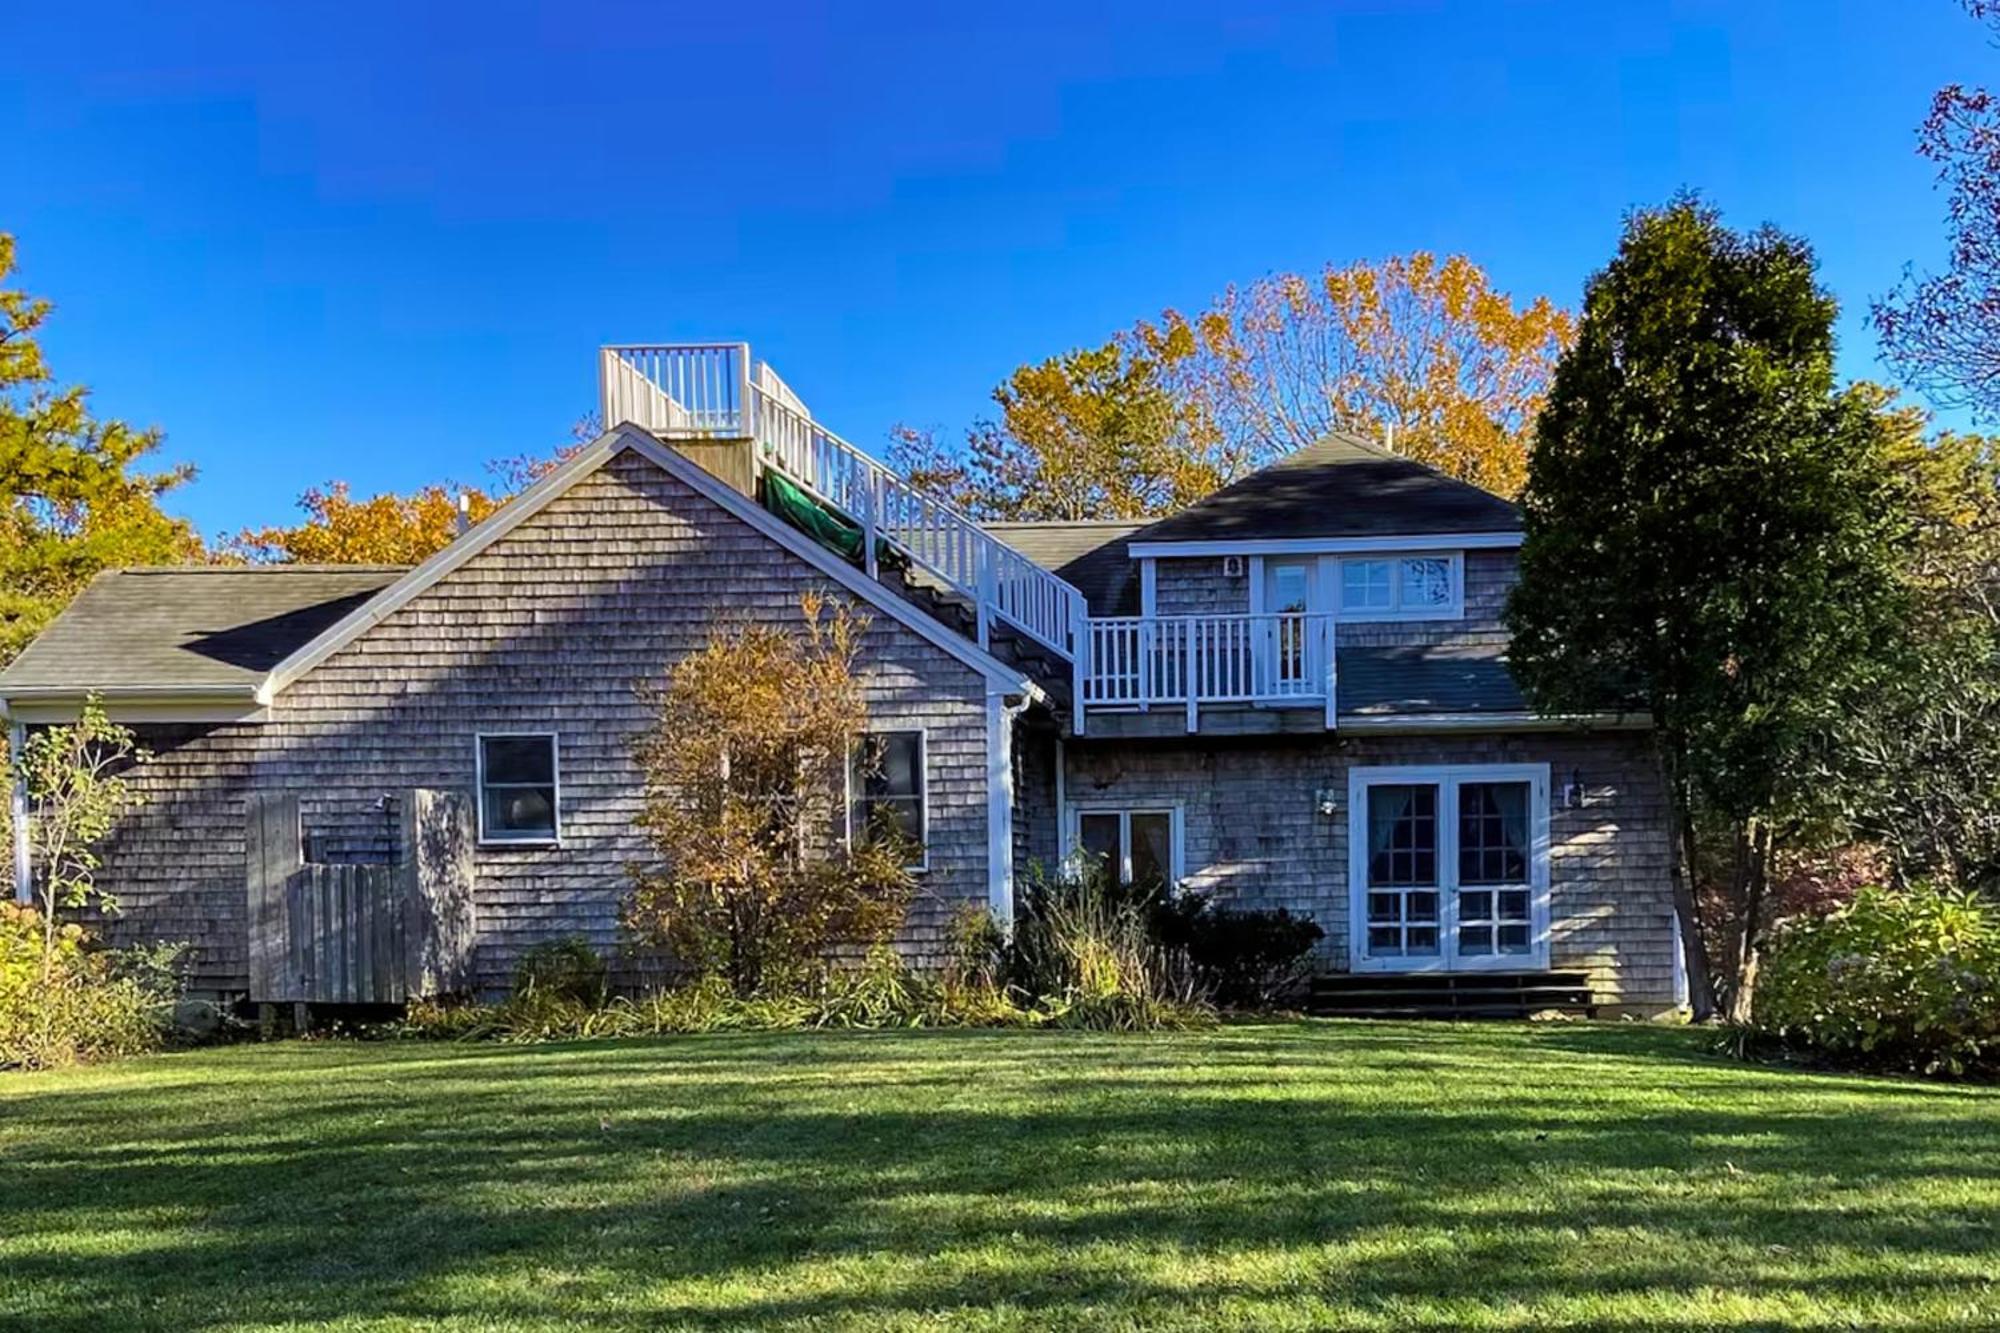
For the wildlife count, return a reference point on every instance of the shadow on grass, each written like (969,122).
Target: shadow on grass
(828,1177)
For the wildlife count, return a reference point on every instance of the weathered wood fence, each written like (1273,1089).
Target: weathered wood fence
(361,934)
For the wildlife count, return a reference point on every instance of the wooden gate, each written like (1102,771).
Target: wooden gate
(361,934)
(346,931)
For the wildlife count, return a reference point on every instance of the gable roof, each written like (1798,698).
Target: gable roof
(587,460)
(1343,486)
(198,629)
(1088,554)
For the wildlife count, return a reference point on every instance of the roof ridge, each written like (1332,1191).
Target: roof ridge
(282,568)
(1067,522)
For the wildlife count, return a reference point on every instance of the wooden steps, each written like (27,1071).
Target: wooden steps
(1449,994)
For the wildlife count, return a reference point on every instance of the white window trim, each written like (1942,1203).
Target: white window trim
(1333,576)
(1176,833)
(551,839)
(1447,777)
(922,863)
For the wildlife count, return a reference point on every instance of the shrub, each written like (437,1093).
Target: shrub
(881,994)
(746,768)
(1087,951)
(92,1004)
(567,969)
(1897,979)
(1240,957)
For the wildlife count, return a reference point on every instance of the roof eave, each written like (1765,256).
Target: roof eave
(1349,545)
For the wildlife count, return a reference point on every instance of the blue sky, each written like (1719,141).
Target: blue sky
(381,242)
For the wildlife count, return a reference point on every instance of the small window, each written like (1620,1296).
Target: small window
(517,788)
(1138,846)
(1365,585)
(886,788)
(1411,587)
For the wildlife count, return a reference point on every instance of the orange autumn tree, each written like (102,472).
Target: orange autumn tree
(1421,346)
(390,529)
(1172,409)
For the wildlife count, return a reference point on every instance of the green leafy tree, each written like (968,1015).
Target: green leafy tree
(1920,754)
(74,498)
(73,776)
(1716,535)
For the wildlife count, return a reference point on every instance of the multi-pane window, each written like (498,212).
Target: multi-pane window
(1414,586)
(1402,869)
(1493,847)
(517,788)
(1133,846)
(886,788)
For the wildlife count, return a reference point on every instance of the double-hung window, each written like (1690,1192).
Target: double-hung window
(1139,845)
(1402,587)
(518,787)
(886,790)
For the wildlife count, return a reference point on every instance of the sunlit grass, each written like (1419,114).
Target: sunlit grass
(1312,1175)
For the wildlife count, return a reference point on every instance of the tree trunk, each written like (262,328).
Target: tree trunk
(1753,875)
(1694,951)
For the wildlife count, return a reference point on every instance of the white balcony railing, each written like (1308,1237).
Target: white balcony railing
(715,389)
(1137,663)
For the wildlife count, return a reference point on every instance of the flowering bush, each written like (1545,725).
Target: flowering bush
(1903,979)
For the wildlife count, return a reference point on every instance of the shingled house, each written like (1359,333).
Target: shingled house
(1294,693)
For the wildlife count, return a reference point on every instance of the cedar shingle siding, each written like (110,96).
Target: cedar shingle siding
(1255,836)
(547,629)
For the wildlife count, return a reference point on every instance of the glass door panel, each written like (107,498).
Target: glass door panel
(1403,864)
(1494,890)
(1287,593)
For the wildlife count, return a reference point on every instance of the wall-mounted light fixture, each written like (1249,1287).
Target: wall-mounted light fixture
(1328,801)
(1574,794)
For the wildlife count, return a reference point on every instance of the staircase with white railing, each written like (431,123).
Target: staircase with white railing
(717,391)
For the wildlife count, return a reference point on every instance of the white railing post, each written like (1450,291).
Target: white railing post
(1143,641)
(1187,677)
(982,555)
(871,507)
(605,356)
(744,423)
(1332,675)
(1079,664)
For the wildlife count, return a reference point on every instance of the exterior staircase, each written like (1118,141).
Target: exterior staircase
(1449,994)
(692,394)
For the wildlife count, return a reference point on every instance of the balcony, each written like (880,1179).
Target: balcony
(1179,665)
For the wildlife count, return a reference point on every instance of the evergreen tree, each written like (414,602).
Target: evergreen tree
(1715,534)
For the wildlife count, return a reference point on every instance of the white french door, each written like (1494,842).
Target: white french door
(1448,868)
(1286,650)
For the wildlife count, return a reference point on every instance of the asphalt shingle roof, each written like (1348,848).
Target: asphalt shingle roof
(190,627)
(1389,682)
(1089,555)
(1342,486)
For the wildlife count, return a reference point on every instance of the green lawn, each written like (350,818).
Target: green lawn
(1319,1174)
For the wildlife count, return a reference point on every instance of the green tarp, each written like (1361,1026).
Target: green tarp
(834,531)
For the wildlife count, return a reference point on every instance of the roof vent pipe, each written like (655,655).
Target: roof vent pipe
(1389,436)
(464,512)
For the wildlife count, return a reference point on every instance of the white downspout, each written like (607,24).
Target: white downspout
(1000,809)
(24,856)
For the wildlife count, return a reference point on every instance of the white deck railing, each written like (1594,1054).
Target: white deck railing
(715,389)
(1137,663)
